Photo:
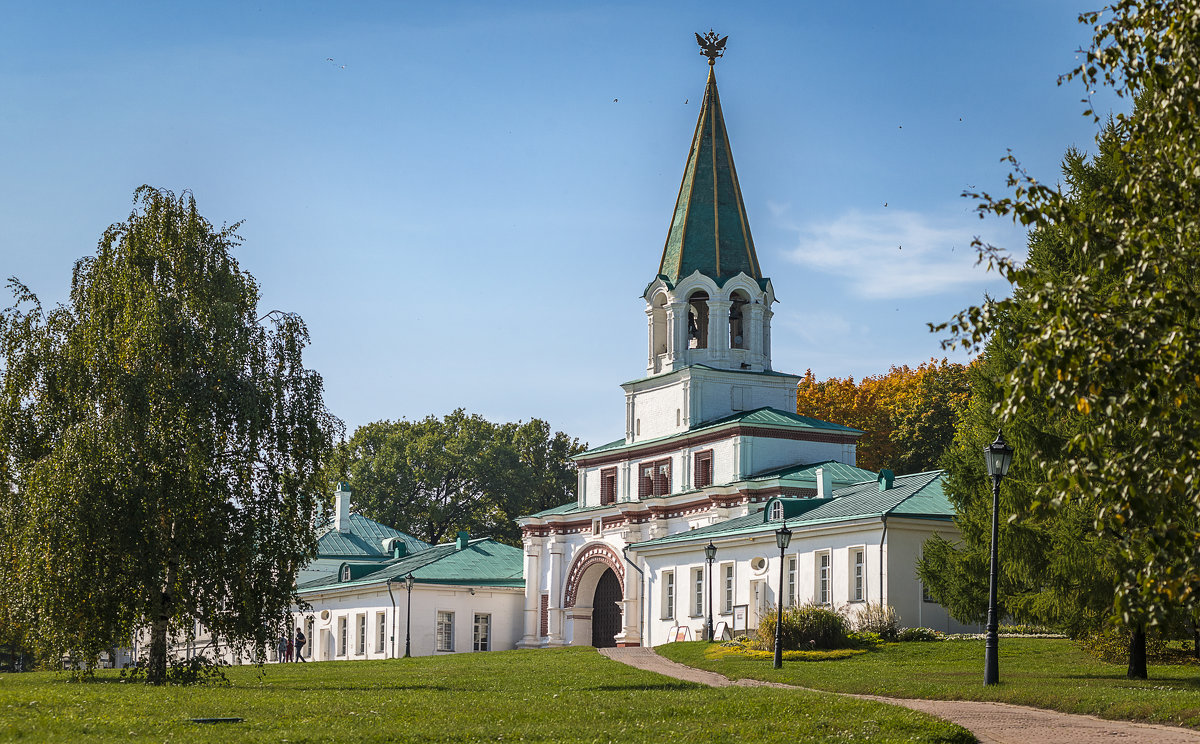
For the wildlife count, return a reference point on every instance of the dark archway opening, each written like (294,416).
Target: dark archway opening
(606,613)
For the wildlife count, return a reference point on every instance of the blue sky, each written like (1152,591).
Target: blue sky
(466,202)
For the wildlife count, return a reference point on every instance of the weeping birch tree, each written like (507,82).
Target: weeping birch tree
(163,446)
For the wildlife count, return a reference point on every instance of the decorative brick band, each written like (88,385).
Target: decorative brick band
(588,557)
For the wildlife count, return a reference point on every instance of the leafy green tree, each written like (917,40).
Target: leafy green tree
(1117,346)
(435,476)
(163,445)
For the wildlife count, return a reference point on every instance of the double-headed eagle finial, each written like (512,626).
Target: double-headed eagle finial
(711,46)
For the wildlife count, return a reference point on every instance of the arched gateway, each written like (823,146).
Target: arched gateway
(593,595)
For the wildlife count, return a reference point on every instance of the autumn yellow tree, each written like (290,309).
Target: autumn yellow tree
(907,415)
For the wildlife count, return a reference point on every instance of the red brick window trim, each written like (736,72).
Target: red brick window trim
(608,486)
(654,478)
(704,472)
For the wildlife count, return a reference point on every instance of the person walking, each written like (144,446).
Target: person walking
(281,648)
(288,654)
(300,641)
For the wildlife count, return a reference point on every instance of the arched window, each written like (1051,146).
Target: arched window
(698,320)
(777,510)
(345,573)
(737,321)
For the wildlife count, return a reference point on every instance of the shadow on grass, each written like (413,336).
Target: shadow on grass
(632,687)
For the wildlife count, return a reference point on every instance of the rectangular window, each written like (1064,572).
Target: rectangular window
(645,481)
(727,606)
(698,592)
(823,578)
(860,565)
(608,486)
(341,649)
(654,478)
(362,635)
(482,633)
(791,581)
(445,631)
(381,634)
(704,475)
(668,612)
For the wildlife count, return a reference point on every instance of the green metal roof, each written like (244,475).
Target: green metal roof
(709,232)
(840,472)
(363,540)
(916,496)
(765,416)
(483,562)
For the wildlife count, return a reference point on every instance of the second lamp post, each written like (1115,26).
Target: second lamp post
(710,552)
(782,537)
(999,456)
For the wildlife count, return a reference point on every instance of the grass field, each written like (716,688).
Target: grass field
(572,695)
(1046,673)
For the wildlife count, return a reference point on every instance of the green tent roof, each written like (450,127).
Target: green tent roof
(483,562)
(363,540)
(710,232)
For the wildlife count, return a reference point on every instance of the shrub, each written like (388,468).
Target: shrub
(864,639)
(878,618)
(1112,646)
(805,628)
(919,634)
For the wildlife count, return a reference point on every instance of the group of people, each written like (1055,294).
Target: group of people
(289,647)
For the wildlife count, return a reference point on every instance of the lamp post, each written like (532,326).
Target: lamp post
(782,537)
(710,552)
(408,584)
(998,456)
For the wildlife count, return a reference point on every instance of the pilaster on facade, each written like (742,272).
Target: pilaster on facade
(677,333)
(556,635)
(718,328)
(530,638)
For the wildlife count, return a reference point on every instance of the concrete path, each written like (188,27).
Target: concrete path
(992,723)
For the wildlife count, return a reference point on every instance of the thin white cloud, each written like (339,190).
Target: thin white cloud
(896,254)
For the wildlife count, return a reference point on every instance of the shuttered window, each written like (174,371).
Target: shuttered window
(704,476)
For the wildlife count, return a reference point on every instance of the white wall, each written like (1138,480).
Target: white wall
(502,603)
(901,587)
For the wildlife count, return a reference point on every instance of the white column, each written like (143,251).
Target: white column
(533,593)
(718,328)
(650,340)
(556,637)
(631,603)
(754,331)
(677,315)
(766,337)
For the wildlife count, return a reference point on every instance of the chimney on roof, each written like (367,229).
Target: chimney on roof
(464,537)
(341,508)
(824,483)
(886,477)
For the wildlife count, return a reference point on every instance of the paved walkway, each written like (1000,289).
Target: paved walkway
(992,723)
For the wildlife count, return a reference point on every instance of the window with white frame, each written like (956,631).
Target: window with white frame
(822,578)
(776,510)
(482,634)
(362,635)
(381,631)
(858,591)
(697,592)
(445,631)
(791,581)
(727,605)
(668,609)
(342,623)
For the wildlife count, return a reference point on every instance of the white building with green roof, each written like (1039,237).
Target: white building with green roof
(710,437)
(465,595)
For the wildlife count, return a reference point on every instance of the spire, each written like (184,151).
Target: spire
(710,232)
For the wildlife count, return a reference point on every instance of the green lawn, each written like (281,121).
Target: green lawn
(1046,673)
(560,695)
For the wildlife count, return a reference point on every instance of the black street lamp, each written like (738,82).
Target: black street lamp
(408,584)
(783,536)
(710,552)
(999,456)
